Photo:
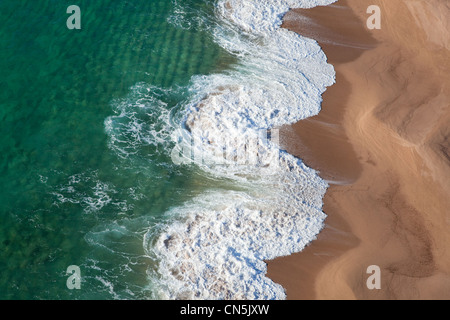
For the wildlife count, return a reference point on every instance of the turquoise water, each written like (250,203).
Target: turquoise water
(82,177)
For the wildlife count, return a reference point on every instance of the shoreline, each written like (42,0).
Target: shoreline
(381,141)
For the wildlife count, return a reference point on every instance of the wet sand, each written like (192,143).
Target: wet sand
(382,140)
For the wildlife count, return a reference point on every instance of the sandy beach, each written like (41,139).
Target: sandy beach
(382,140)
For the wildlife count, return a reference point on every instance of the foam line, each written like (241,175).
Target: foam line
(215,245)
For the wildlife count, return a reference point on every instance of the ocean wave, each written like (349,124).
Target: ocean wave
(215,245)
(142,119)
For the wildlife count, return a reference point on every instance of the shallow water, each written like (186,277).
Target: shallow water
(70,193)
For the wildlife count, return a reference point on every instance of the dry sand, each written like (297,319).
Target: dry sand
(382,139)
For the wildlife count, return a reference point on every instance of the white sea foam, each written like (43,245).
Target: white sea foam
(92,200)
(216,244)
(141,119)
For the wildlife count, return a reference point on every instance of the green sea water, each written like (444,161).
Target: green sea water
(72,192)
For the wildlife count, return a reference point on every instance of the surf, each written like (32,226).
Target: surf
(214,246)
